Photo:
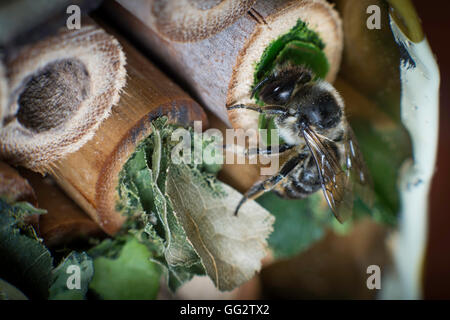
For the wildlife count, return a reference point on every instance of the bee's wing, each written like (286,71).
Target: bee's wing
(357,170)
(336,183)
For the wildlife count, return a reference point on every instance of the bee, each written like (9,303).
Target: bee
(322,150)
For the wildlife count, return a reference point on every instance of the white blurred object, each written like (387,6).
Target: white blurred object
(202,288)
(420,114)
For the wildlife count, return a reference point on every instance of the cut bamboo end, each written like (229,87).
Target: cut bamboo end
(192,20)
(91,174)
(319,16)
(61,89)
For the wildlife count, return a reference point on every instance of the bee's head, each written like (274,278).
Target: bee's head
(314,103)
(318,104)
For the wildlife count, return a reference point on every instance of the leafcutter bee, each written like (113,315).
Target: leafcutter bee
(323,152)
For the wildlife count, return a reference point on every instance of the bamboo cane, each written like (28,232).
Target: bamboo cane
(64,223)
(90,175)
(59,90)
(190,20)
(14,187)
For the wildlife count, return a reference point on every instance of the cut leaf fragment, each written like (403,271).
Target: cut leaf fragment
(230,247)
(185,216)
(25,261)
(129,276)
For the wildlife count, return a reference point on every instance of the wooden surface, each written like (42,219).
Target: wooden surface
(90,175)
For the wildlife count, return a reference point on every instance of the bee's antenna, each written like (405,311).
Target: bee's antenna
(240,205)
(262,82)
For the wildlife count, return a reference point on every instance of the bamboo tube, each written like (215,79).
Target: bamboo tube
(219,69)
(190,20)
(14,187)
(60,89)
(90,175)
(64,223)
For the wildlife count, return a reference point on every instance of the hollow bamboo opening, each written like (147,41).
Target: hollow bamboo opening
(53,94)
(60,89)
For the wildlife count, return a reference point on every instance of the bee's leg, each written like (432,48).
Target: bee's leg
(256,151)
(263,186)
(269,109)
(303,182)
(268,151)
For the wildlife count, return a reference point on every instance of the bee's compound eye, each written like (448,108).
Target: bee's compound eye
(277,92)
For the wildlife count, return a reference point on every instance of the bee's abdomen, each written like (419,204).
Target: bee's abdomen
(302,182)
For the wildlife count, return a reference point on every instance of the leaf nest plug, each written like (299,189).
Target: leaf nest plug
(60,90)
(318,18)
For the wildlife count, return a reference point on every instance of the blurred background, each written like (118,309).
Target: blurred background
(436,23)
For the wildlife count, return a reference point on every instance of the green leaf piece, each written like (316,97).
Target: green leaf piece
(298,223)
(131,275)
(230,247)
(9,292)
(193,232)
(307,44)
(151,216)
(25,261)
